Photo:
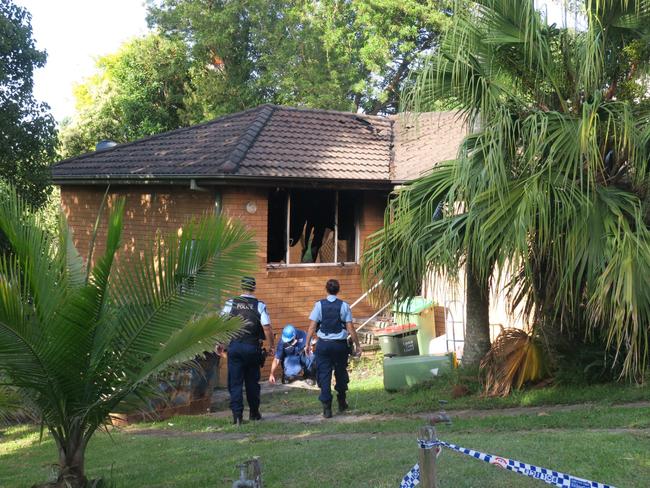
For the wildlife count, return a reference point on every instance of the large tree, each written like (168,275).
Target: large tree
(334,54)
(552,187)
(27,130)
(78,338)
(209,59)
(138,91)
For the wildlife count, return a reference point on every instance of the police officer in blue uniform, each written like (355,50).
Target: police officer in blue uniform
(245,350)
(331,322)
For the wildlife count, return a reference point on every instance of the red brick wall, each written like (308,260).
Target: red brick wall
(147,210)
(288,292)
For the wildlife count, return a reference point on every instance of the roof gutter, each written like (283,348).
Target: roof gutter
(213,180)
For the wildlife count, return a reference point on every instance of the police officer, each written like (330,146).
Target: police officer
(331,322)
(291,354)
(244,350)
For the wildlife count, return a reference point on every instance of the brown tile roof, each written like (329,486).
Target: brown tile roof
(272,142)
(424,140)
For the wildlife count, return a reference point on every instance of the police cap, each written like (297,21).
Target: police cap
(248,283)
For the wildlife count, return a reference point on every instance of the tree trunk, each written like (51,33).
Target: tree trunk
(71,463)
(477,322)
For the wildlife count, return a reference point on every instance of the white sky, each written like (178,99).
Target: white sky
(75,32)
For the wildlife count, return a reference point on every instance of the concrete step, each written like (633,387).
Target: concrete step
(367,332)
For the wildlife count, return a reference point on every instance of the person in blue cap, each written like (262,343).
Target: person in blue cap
(245,350)
(291,354)
(331,322)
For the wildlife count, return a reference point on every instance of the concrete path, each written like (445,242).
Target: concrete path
(220,397)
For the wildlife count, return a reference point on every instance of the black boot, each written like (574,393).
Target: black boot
(254,415)
(237,419)
(327,410)
(343,405)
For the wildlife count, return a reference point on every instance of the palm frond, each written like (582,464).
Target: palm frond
(33,247)
(513,360)
(75,347)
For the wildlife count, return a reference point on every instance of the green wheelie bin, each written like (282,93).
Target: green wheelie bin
(418,311)
(399,340)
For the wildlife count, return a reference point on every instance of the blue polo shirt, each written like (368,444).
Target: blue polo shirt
(289,354)
(346,316)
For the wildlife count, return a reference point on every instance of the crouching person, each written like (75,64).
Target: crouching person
(292,356)
(331,322)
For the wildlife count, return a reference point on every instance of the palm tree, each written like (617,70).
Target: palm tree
(552,187)
(77,340)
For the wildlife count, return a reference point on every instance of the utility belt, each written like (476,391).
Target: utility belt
(261,351)
(347,341)
(249,342)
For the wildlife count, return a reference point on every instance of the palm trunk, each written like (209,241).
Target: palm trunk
(477,323)
(71,462)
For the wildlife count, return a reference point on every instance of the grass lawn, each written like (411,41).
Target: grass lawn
(601,441)
(367,394)
(203,451)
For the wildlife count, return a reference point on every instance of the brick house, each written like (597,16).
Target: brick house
(310,184)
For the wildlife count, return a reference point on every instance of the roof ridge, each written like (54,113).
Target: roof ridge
(248,138)
(334,112)
(164,134)
(392,162)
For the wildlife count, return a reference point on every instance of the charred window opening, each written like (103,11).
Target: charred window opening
(312,227)
(347,228)
(277,226)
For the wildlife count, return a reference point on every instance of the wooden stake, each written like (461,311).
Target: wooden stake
(428,458)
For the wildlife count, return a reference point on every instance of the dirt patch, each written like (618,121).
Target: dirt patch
(315,418)
(232,436)
(455,414)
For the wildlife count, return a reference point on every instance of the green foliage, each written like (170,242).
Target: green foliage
(208,59)
(590,364)
(76,341)
(138,91)
(11,407)
(331,54)
(27,131)
(551,190)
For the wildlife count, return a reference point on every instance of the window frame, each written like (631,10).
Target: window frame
(357,235)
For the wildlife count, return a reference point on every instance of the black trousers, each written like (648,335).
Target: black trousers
(332,356)
(243,370)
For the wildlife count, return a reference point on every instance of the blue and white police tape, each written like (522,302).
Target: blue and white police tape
(412,478)
(548,476)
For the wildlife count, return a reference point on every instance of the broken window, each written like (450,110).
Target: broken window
(276,246)
(312,227)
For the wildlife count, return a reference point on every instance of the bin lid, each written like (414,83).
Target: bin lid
(396,329)
(413,306)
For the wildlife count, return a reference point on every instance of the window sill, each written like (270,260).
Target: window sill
(310,265)
(308,268)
